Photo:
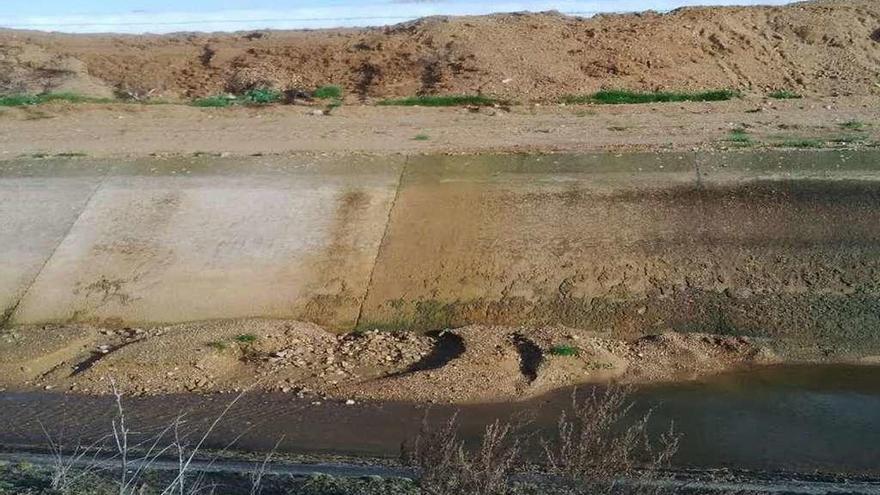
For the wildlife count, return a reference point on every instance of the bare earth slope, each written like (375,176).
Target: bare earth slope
(828,47)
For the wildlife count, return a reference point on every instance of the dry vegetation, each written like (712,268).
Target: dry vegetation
(600,447)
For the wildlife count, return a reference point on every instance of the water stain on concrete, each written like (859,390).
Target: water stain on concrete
(592,246)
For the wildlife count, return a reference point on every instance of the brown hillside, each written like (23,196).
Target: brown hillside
(827,47)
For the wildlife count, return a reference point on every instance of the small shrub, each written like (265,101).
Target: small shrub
(421,137)
(601,447)
(784,95)
(328,92)
(262,96)
(564,350)
(617,97)
(853,125)
(740,136)
(246,338)
(447,467)
(441,101)
(219,101)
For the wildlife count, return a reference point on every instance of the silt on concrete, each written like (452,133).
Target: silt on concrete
(38,205)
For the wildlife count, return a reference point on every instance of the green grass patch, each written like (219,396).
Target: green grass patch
(801,143)
(219,101)
(564,350)
(441,101)
(29,100)
(619,97)
(246,338)
(421,137)
(740,137)
(853,125)
(328,92)
(64,154)
(784,95)
(262,96)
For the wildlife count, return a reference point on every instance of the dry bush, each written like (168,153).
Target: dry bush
(448,468)
(601,449)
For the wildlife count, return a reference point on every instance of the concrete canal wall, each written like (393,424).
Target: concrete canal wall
(769,243)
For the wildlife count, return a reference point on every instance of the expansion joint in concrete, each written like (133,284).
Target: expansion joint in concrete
(357,322)
(9,313)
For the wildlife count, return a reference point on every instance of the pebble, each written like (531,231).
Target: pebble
(349,402)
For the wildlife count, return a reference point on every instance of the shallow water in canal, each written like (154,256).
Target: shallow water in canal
(781,418)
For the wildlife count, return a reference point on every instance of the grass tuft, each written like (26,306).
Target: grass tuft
(564,350)
(618,97)
(784,95)
(440,101)
(421,137)
(219,101)
(262,96)
(853,125)
(328,92)
(246,338)
(740,137)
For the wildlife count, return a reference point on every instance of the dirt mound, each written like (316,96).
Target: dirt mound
(827,47)
(28,68)
(472,364)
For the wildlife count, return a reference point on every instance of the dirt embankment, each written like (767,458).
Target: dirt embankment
(827,47)
(472,364)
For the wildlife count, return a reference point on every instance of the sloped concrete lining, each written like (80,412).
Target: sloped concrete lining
(211,238)
(39,202)
(759,244)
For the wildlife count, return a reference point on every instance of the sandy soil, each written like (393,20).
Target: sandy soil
(827,47)
(141,130)
(471,364)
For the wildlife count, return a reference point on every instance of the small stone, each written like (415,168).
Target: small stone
(349,402)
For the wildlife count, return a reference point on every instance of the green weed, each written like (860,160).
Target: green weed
(784,95)
(328,92)
(219,101)
(853,125)
(617,97)
(262,96)
(440,101)
(246,338)
(740,136)
(421,137)
(564,350)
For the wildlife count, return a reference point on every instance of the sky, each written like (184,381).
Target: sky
(164,16)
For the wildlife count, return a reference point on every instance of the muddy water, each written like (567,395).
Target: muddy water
(792,418)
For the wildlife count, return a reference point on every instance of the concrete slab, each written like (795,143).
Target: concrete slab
(221,238)
(633,244)
(39,202)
